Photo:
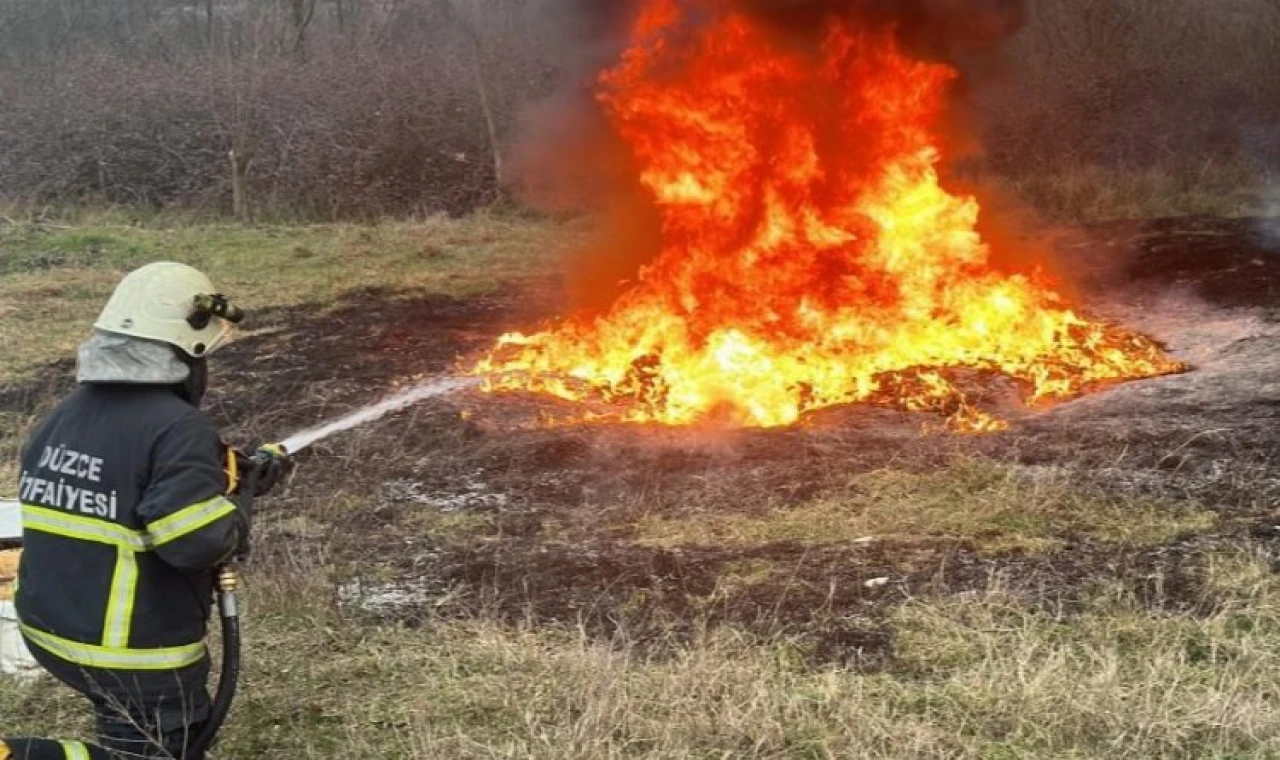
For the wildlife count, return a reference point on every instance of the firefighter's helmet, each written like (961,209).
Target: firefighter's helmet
(171,303)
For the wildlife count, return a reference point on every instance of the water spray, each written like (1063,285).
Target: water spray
(440,386)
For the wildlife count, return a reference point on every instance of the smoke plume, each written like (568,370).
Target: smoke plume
(939,29)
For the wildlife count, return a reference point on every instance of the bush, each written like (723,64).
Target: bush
(326,138)
(355,108)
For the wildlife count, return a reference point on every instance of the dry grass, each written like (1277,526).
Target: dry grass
(1090,193)
(998,507)
(14,428)
(982,674)
(53,280)
(975,676)
(9,475)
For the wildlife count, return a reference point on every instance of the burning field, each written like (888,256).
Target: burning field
(829,384)
(443,553)
(771,421)
(501,501)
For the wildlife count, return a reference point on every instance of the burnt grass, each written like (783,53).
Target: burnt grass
(464,505)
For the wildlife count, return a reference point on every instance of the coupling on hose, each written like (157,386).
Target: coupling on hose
(228,580)
(228,583)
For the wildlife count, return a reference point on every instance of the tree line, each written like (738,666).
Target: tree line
(332,109)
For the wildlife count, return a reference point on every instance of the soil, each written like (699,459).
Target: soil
(464,504)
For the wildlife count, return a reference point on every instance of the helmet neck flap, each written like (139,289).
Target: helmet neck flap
(108,358)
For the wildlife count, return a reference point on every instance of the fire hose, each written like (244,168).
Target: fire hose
(228,576)
(228,582)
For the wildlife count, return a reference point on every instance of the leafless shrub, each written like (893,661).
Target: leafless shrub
(325,110)
(348,108)
(1136,85)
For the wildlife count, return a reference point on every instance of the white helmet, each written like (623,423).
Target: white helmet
(171,303)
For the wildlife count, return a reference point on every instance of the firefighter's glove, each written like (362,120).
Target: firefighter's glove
(271,464)
(243,546)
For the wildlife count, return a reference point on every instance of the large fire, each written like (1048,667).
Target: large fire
(809,255)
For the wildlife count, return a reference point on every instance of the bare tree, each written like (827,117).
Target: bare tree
(469,16)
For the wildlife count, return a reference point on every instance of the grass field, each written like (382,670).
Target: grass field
(825,602)
(55,277)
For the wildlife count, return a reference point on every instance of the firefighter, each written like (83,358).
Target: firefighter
(127,511)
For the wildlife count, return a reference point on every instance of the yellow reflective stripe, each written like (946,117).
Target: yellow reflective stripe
(113,658)
(84,528)
(114,653)
(124,586)
(188,520)
(74,751)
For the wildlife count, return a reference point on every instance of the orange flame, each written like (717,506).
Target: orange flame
(810,256)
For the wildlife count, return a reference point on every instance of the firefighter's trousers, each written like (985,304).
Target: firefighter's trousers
(141,715)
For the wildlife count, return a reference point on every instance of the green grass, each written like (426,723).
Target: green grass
(1088,193)
(997,507)
(53,280)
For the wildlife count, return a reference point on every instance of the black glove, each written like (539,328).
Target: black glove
(244,503)
(271,465)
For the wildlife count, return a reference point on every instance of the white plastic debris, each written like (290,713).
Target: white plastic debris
(10,520)
(876,582)
(15,659)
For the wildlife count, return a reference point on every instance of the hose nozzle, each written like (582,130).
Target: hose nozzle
(274,449)
(269,452)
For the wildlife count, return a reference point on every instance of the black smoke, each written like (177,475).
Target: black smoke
(939,24)
(934,28)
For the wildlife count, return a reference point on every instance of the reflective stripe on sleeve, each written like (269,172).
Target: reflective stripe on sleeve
(115,658)
(74,751)
(189,519)
(84,528)
(124,587)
